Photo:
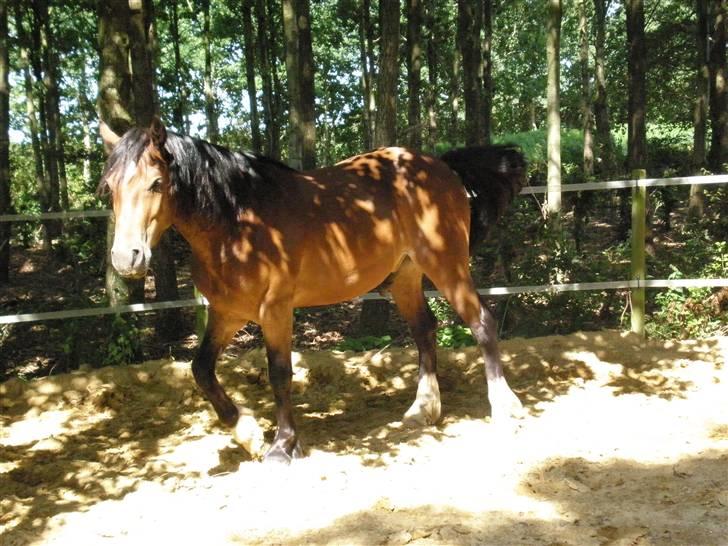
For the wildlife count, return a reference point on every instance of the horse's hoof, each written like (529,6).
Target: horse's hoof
(249,434)
(423,412)
(278,455)
(505,405)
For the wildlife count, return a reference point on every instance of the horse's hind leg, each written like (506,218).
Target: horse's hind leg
(277,325)
(452,277)
(218,334)
(406,289)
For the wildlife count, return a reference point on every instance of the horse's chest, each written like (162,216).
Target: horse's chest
(238,274)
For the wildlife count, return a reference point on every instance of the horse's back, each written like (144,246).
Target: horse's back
(366,214)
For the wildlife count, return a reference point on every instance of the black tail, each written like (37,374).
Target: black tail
(492,176)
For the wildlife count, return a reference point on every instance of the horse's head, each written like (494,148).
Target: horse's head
(138,178)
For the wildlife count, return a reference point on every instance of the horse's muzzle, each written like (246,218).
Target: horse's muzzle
(131,262)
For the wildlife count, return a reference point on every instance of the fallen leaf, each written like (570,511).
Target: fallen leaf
(624,536)
(576,485)
(401,537)
(680,472)
(723,498)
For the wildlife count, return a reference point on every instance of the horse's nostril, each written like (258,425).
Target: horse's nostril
(136,256)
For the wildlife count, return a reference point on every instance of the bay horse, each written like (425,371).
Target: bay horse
(266,238)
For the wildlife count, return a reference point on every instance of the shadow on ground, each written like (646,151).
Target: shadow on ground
(582,503)
(71,441)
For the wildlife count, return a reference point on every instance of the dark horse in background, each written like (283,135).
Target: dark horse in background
(266,238)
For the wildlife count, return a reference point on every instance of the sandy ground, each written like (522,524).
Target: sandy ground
(625,444)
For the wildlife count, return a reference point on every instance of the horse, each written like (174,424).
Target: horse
(266,238)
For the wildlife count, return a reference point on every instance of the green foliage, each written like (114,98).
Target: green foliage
(454,336)
(450,333)
(84,242)
(123,346)
(533,144)
(441,309)
(365,343)
(24,192)
(526,251)
(692,312)
(670,147)
(71,344)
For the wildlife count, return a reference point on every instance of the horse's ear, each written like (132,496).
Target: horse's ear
(158,133)
(109,137)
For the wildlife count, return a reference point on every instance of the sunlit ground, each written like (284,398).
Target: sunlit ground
(625,443)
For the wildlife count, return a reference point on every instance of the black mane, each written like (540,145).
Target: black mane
(493,176)
(205,178)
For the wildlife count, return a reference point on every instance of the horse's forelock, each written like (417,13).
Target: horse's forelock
(128,152)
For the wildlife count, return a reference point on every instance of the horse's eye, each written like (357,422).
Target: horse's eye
(156,186)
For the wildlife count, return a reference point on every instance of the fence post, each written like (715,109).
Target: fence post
(200,317)
(639,221)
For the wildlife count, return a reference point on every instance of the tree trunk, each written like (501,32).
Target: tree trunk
(365,57)
(55,125)
(55,148)
(386,123)
(636,109)
(115,104)
(299,69)
(375,314)
(127,98)
(30,108)
(50,95)
(414,70)
(553,45)
(295,120)
(605,144)
(702,85)
(249,60)
(87,115)
(702,81)
(718,93)
(48,194)
(432,67)
(637,102)
(455,76)
(583,199)
(372,57)
(470,20)
(5,204)
(115,85)
(264,62)
(488,90)
(586,112)
(180,89)
(273,30)
(142,47)
(143,57)
(308,91)
(209,87)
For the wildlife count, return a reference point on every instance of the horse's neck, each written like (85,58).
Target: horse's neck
(199,235)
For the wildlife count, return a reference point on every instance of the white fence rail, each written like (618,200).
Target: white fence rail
(633,284)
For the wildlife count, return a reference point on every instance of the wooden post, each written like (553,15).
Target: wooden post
(639,212)
(200,318)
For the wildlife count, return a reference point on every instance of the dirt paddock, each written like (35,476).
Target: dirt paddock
(624,443)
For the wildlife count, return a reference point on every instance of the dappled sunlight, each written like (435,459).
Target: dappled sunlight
(133,453)
(35,428)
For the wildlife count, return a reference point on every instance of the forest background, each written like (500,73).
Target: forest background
(590,89)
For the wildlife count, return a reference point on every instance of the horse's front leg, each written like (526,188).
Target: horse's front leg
(278,332)
(220,330)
